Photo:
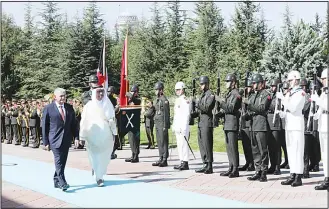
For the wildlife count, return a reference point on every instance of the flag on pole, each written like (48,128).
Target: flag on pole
(102,70)
(124,73)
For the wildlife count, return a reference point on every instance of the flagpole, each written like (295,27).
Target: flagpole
(126,60)
(104,69)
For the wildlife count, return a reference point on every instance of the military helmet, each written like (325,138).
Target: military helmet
(158,85)
(285,85)
(230,77)
(249,83)
(180,85)
(303,82)
(134,88)
(275,82)
(111,89)
(293,75)
(204,80)
(257,78)
(93,79)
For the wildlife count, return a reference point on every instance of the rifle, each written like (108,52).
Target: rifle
(193,103)
(216,108)
(278,104)
(243,107)
(312,108)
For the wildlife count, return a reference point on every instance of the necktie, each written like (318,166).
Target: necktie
(62,112)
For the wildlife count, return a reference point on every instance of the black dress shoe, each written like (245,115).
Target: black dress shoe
(298,181)
(135,160)
(234,174)
(271,170)
(201,170)
(226,173)
(316,168)
(128,160)
(277,170)
(324,185)
(163,163)
(255,177)
(289,180)
(177,167)
(65,187)
(157,163)
(113,156)
(208,169)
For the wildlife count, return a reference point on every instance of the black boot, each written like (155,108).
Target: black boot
(203,169)
(234,174)
(163,163)
(113,156)
(157,163)
(289,180)
(298,181)
(208,169)
(277,170)
(184,166)
(306,172)
(263,177)
(316,168)
(324,185)
(255,177)
(177,167)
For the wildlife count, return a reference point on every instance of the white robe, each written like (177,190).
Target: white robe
(96,128)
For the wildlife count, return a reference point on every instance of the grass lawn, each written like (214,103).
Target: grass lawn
(219,142)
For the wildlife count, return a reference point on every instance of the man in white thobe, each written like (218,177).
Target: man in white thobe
(293,104)
(322,117)
(181,126)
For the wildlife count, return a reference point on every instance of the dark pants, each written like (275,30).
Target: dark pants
(162,141)
(259,150)
(60,158)
(150,136)
(315,151)
(134,142)
(246,144)
(25,136)
(34,139)
(231,140)
(205,141)
(283,145)
(8,134)
(15,132)
(307,151)
(3,131)
(274,147)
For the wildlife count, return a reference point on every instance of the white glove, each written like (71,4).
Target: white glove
(282,114)
(279,95)
(315,98)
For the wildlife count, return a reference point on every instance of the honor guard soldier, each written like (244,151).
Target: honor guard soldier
(34,124)
(231,105)
(78,110)
(149,123)
(315,155)
(204,111)
(3,126)
(294,119)
(8,111)
(181,126)
(15,123)
(245,132)
(134,135)
(258,106)
(275,132)
(308,129)
(285,164)
(162,124)
(86,96)
(322,117)
(39,112)
(25,123)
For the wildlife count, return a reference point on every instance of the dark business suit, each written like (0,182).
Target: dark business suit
(58,134)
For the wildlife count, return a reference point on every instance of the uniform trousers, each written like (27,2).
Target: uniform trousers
(182,147)
(295,147)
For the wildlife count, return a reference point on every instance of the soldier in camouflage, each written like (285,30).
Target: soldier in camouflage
(86,96)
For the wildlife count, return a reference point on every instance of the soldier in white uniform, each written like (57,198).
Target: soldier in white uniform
(322,117)
(181,126)
(293,105)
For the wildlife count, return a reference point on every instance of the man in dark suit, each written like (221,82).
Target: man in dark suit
(58,129)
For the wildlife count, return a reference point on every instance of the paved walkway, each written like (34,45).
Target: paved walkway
(167,180)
